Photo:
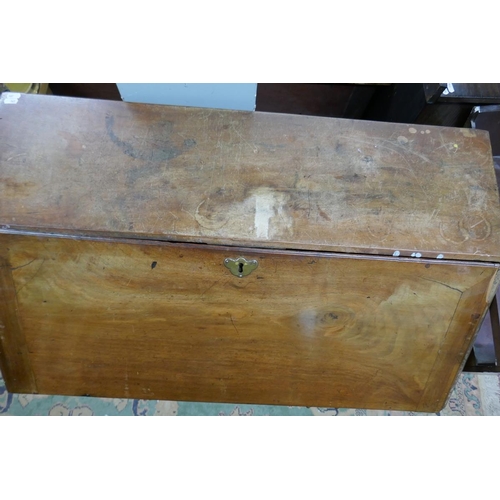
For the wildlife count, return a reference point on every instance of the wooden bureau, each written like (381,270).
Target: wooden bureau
(159,252)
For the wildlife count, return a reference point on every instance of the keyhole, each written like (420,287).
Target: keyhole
(240,267)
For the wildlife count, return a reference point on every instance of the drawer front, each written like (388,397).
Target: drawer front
(155,320)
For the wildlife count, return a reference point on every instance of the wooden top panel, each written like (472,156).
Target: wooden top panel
(253,179)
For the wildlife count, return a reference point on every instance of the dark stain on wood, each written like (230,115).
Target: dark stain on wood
(156,152)
(23,188)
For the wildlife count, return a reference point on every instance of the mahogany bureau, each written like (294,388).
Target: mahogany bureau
(196,254)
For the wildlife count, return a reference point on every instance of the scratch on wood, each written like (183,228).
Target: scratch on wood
(449,239)
(33,277)
(244,141)
(209,288)
(24,265)
(15,156)
(232,321)
(444,284)
(207,223)
(435,212)
(189,213)
(409,167)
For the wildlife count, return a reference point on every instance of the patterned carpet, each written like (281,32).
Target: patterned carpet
(474,394)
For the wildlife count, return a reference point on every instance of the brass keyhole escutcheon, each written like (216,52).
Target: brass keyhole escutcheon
(240,267)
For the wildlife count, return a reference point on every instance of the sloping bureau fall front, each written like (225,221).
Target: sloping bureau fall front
(196,254)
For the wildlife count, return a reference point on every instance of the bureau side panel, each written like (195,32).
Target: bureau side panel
(14,358)
(470,312)
(164,321)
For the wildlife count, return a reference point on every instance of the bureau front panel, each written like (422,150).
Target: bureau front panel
(138,319)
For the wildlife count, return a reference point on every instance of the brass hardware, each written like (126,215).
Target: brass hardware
(240,267)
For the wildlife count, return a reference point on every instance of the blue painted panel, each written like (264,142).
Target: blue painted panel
(240,96)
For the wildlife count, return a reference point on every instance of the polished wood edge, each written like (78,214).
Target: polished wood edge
(14,356)
(239,248)
(495,327)
(492,289)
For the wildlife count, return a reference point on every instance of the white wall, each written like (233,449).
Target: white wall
(240,96)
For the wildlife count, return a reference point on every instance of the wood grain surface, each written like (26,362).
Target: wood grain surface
(264,180)
(169,321)
(14,360)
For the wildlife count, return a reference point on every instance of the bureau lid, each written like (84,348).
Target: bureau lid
(83,166)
